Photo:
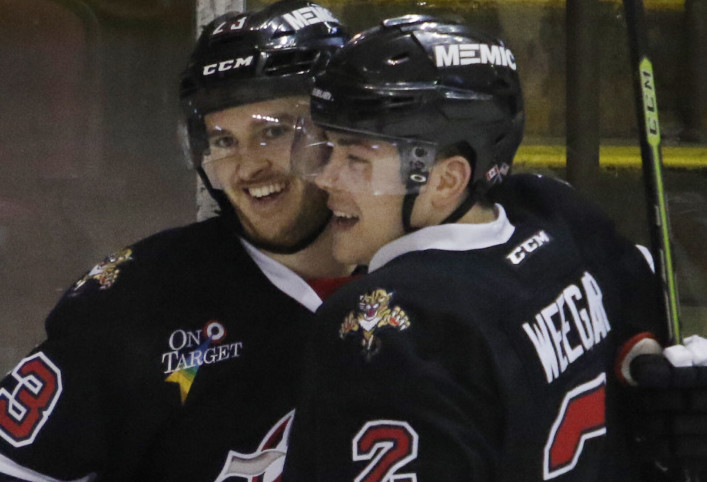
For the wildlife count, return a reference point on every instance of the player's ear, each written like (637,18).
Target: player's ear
(444,190)
(448,181)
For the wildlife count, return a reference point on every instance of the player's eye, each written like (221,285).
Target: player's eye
(357,163)
(223,141)
(276,131)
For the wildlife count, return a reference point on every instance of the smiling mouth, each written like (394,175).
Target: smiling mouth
(344,220)
(265,192)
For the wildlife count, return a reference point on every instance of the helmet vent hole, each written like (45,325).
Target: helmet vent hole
(398,59)
(420,152)
(290,62)
(282,33)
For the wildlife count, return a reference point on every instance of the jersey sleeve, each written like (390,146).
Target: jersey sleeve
(50,413)
(69,407)
(395,398)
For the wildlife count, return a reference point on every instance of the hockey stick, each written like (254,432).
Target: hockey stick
(652,163)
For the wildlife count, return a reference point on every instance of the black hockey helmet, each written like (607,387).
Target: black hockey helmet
(243,58)
(432,83)
(249,57)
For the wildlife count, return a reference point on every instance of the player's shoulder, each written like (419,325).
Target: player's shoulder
(555,202)
(149,257)
(133,279)
(200,236)
(420,279)
(544,196)
(411,306)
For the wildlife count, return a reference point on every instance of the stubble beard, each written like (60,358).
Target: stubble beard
(310,218)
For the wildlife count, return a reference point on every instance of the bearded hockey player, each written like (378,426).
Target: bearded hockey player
(482,344)
(177,358)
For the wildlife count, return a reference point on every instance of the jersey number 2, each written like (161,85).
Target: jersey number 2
(389,445)
(24,411)
(581,417)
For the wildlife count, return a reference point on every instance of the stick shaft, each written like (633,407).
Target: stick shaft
(652,162)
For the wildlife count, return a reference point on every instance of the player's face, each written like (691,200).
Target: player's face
(249,158)
(365,190)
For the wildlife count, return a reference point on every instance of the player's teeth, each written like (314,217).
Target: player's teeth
(263,191)
(339,214)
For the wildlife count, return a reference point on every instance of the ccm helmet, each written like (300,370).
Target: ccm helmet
(427,82)
(243,58)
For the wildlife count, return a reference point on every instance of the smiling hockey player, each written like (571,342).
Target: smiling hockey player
(483,343)
(177,359)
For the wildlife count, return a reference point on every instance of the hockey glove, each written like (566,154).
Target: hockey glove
(669,402)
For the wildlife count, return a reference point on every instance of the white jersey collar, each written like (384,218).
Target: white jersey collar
(448,237)
(284,278)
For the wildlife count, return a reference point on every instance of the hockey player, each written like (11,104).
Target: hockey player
(177,358)
(482,343)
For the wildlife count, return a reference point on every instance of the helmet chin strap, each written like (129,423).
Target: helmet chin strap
(228,213)
(408,205)
(462,209)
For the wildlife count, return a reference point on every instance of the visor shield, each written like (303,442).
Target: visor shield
(251,135)
(358,162)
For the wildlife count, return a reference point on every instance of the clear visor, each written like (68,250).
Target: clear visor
(252,137)
(358,162)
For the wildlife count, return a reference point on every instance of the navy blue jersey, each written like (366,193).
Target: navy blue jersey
(479,352)
(174,359)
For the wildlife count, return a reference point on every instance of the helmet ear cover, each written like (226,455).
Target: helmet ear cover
(472,196)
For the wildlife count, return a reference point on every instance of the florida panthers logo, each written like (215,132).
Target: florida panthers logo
(106,273)
(374,312)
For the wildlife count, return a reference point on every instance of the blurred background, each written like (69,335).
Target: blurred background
(90,159)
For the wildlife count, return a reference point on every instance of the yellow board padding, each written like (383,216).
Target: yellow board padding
(613,156)
(648,4)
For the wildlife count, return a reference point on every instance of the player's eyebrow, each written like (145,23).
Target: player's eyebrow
(218,131)
(257,119)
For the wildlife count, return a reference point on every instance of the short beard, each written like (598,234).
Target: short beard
(304,228)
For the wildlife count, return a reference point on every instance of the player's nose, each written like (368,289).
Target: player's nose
(328,178)
(251,166)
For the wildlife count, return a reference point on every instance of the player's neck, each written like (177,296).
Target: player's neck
(479,214)
(314,261)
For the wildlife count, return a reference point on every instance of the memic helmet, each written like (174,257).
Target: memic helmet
(243,58)
(418,78)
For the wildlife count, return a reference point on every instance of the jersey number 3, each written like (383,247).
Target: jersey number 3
(581,417)
(389,445)
(24,411)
